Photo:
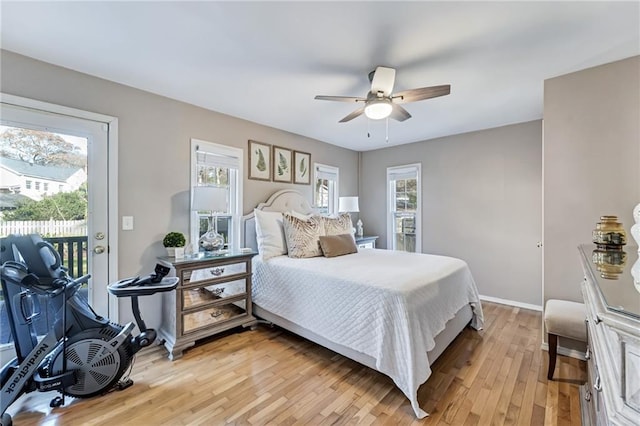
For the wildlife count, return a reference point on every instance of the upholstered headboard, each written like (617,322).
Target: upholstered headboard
(284,200)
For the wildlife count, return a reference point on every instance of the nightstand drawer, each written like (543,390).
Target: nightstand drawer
(211,273)
(214,315)
(194,297)
(366,241)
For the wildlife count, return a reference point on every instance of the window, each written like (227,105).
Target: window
(221,166)
(45,186)
(325,195)
(37,185)
(28,184)
(403,212)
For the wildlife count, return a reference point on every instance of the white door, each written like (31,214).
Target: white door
(86,138)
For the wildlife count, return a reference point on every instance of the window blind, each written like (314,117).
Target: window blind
(326,173)
(404,173)
(204,158)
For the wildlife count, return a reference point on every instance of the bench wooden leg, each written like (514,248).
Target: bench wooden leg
(553,353)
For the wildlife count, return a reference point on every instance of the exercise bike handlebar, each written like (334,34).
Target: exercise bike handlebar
(70,286)
(142,286)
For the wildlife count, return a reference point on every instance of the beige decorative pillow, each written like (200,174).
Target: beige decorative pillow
(338,245)
(338,225)
(303,236)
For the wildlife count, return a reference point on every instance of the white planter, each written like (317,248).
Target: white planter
(179,252)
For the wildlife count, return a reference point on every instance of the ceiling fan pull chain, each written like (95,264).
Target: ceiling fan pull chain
(368,128)
(387,120)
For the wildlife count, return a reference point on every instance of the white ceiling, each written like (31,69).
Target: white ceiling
(265,61)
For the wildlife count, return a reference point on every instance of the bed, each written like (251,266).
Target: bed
(395,312)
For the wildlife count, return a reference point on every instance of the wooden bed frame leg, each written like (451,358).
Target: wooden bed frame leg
(553,353)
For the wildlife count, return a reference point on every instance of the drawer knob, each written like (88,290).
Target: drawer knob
(587,396)
(217,271)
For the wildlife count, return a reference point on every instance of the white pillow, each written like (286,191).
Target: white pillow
(270,234)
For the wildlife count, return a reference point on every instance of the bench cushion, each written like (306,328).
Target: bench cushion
(565,318)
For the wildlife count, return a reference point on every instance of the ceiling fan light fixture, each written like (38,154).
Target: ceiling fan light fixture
(378,109)
(381,103)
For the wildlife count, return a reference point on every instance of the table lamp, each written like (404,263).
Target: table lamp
(350,205)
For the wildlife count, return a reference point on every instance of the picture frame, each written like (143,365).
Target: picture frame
(281,162)
(259,161)
(302,168)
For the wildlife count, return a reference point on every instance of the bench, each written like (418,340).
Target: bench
(566,319)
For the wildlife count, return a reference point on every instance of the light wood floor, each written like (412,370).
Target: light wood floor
(269,376)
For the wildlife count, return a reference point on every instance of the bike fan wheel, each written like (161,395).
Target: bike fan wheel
(98,367)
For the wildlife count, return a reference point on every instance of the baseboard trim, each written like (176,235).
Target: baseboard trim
(511,303)
(566,352)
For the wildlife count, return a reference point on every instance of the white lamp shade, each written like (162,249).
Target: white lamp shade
(348,204)
(209,198)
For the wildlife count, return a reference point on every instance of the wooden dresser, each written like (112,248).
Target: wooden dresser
(214,295)
(612,393)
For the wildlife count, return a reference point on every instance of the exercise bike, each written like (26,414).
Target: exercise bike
(84,354)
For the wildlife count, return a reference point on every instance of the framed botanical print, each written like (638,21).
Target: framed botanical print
(259,161)
(302,169)
(281,162)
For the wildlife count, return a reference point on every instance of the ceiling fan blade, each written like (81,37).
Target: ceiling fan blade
(353,115)
(422,93)
(383,80)
(399,113)
(339,98)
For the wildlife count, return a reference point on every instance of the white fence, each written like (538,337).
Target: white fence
(48,228)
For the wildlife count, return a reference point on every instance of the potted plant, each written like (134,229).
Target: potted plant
(174,242)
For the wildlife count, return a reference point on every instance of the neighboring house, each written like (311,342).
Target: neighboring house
(10,200)
(35,180)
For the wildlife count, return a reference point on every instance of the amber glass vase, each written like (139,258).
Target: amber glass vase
(609,233)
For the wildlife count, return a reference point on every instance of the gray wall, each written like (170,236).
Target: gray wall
(482,191)
(591,163)
(153,158)
(481,202)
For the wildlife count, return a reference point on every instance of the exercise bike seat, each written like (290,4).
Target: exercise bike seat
(137,286)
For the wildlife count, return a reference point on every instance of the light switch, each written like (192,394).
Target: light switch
(127,223)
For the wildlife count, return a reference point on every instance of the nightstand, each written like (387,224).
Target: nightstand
(366,241)
(214,295)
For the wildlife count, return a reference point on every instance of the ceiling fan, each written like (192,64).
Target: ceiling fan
(381,103)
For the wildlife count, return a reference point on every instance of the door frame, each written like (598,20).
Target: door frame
(112,178)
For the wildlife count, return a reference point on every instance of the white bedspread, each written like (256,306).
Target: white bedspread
(387,304)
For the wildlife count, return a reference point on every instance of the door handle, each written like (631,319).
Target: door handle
(98,249)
